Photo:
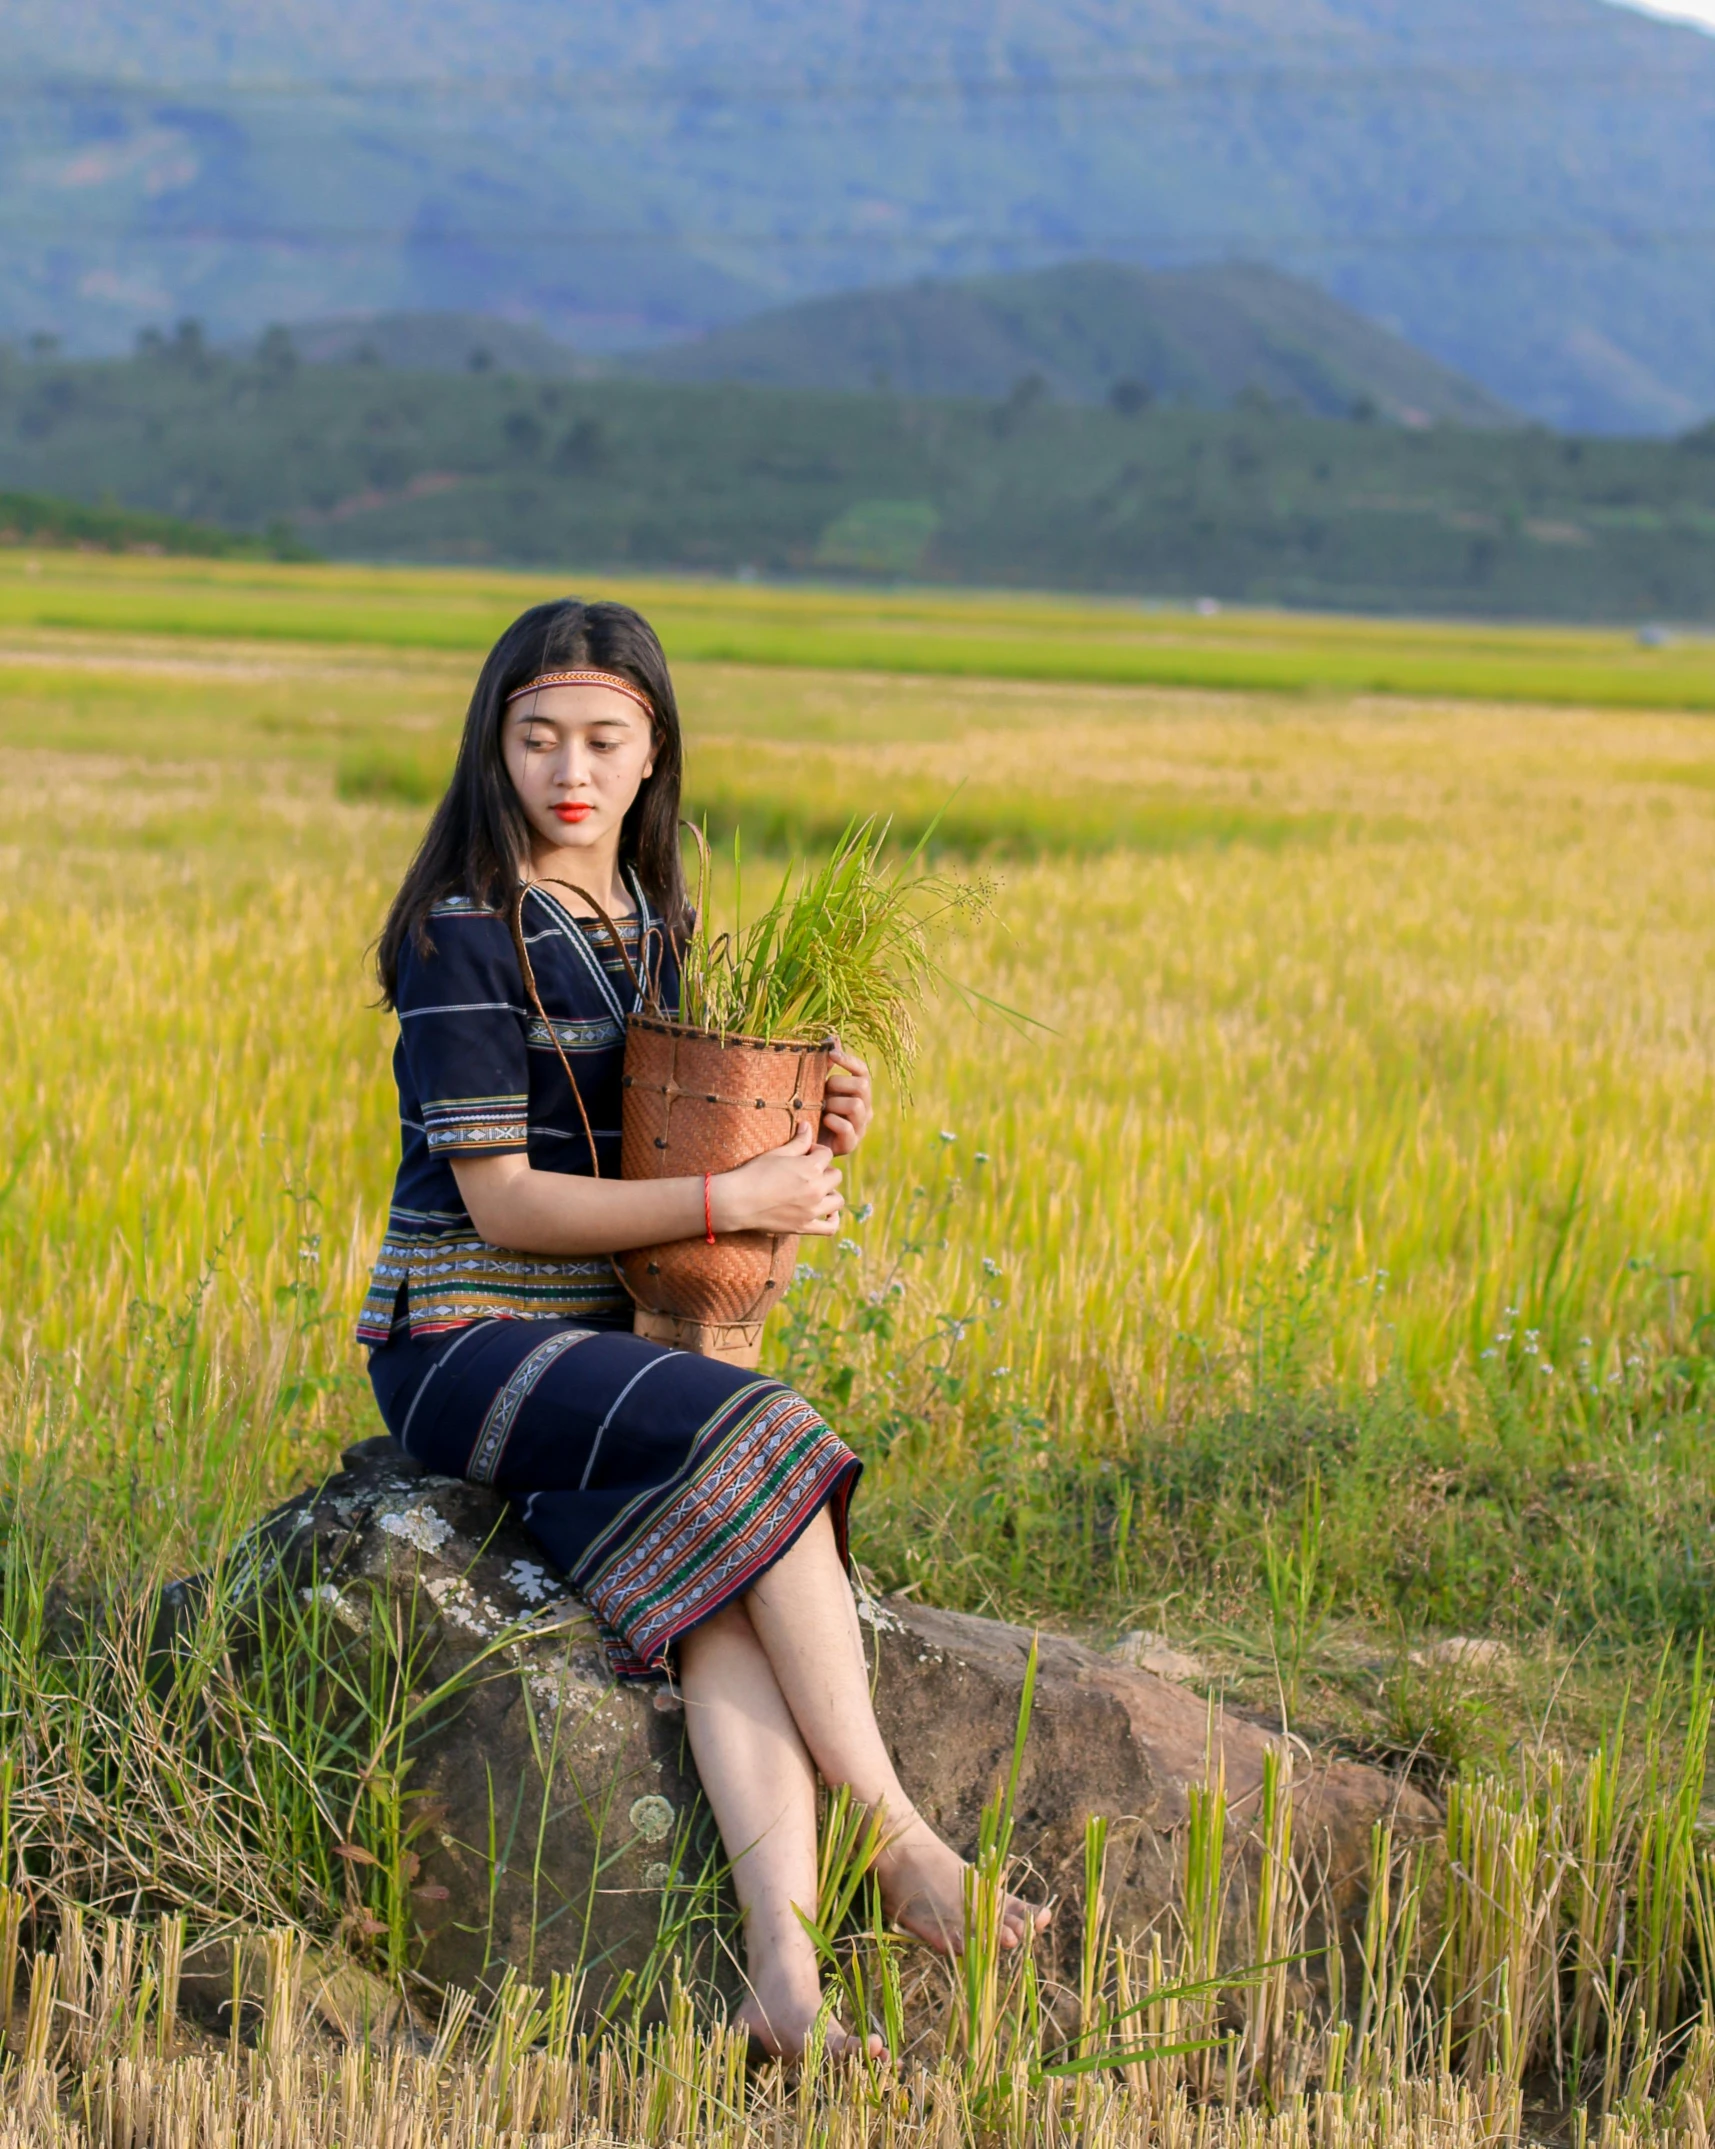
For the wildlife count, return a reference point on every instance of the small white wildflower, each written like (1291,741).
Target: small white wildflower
(982,1156)
(1546,1367)
(849,1246)
(1490,1354)
(990,1268)
(804,1272)
(947,1135)
(999,1372)
(863,1212)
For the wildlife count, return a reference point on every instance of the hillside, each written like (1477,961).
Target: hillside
(436,343)
(42,522)
(1254,503)
(1516,187)
(1088,330)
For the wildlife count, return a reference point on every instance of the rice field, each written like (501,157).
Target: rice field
(967,634)
(1326,1268)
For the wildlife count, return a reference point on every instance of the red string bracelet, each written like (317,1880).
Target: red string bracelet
(708,1208)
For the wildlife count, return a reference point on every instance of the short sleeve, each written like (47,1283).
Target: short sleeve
(462,1029)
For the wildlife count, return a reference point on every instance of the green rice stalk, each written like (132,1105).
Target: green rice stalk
(1666,1863)
(1091,2013)
(1601,1834)
(984,2008)
(1275,1926)
(846,949)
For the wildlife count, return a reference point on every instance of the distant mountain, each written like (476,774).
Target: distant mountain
(581,477)
(1091,331)
(1518,187)
(437,343)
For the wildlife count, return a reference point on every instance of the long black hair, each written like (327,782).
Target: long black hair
(479,837)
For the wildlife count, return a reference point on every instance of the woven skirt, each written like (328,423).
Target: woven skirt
(658,1483)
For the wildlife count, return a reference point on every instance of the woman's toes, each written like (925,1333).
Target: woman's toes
(1021,1920)
(841,2044)
(785,2032)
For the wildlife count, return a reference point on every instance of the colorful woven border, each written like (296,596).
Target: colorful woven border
(761,1470)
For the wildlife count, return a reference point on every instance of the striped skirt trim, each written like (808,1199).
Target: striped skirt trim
(760,1471)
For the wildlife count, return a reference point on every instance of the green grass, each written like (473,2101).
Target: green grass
(1039,640)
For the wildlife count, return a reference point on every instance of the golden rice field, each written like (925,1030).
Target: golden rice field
(1416,993)
(1327,1266)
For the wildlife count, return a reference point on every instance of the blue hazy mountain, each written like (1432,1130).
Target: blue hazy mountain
(1090,332)
(1521,188)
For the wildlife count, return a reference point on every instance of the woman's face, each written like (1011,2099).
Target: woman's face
(576,756)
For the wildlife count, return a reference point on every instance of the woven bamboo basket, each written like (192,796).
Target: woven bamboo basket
(696,1102)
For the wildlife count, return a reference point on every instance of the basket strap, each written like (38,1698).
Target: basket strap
(554,881)
(524,964)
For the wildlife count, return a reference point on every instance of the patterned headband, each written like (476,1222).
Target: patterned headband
(587,678)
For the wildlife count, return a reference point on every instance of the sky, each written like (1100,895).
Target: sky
(1701,12)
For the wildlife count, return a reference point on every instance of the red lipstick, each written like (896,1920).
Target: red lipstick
(573,810)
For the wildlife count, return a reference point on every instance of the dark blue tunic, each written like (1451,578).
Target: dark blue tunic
(659,1483)
(478,1076)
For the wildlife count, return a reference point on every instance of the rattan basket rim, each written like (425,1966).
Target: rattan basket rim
(668,1026)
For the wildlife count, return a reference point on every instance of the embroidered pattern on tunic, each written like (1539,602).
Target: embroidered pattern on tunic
(480,1075)
(476,1123)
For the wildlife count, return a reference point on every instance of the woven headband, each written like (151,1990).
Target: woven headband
(587,678)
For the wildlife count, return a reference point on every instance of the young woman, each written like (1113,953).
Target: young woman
(700,1511)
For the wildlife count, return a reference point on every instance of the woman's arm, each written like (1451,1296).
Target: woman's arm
(792,1188)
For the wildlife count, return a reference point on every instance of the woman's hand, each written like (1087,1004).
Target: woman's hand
(847,1106)
(792,1188)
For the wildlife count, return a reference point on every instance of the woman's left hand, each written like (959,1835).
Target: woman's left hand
(847,1106)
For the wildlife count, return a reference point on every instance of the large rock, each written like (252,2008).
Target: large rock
(565,1827)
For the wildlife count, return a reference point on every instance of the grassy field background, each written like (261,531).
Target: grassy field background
(1011,635)
(1381,1053)
(1333,1275)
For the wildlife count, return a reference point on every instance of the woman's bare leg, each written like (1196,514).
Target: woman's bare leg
(759,1781)
(802,1614)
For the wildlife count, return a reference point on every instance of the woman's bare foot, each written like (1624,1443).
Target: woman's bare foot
(781,2025)
(923,1891)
